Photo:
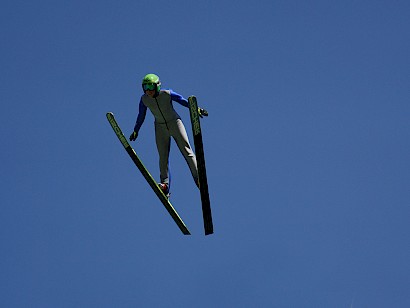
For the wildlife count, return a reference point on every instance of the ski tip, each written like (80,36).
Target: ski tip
(110,116)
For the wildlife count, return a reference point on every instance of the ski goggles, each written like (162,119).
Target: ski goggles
(149,86)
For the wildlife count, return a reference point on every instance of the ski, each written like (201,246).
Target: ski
(199,152)
(148,177)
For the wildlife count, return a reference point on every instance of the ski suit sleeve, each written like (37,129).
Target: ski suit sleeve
(142,112)
(179,99)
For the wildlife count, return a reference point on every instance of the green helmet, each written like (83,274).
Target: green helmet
(151,82)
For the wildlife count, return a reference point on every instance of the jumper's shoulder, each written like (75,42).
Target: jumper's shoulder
(166,92)
(144,99)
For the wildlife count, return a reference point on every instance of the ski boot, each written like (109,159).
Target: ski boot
(165,189)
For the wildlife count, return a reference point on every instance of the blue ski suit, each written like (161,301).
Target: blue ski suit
(167,123)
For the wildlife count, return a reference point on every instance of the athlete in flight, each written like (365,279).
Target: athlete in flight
(168,124)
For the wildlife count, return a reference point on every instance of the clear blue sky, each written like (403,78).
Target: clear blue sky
(307,147)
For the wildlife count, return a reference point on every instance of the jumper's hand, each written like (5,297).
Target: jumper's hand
(202,112)
(133,136)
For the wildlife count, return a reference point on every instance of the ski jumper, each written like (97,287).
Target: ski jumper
(167,123)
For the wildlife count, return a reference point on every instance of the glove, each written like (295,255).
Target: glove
(202,112)
(133,136)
